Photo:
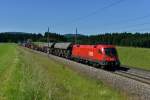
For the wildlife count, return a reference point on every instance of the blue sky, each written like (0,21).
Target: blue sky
(63,16)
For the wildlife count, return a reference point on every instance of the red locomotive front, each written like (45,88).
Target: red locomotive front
(103,55)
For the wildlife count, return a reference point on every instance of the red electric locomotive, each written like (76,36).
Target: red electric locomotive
(101,55)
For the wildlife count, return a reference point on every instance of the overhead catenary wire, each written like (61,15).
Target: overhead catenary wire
(117,22)
(135,25)
(137,30)
(138,24)
(98,10)
(94,12)
(130,20)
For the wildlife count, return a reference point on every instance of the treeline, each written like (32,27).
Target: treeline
(21,37)
(121,39)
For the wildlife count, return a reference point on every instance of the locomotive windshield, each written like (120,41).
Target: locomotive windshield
(110,51)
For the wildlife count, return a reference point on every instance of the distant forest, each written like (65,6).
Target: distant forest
(120,39)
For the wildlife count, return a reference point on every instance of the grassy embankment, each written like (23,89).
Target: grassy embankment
(28,76)
(136,57)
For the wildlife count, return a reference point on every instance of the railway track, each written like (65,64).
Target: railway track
(135,76)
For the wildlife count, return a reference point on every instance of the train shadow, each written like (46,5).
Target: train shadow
(120,68)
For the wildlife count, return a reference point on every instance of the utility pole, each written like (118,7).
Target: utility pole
(48,41)
(48,29)
(48,36)
(76,36)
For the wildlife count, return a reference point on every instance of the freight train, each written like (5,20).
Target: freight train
(101,55)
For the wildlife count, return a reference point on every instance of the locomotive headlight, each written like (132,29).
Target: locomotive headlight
(117,63)
(104,62)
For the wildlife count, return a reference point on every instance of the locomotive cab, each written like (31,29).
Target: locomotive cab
(110,56)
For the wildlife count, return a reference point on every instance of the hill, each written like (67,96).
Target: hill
(73,35)
(15,33)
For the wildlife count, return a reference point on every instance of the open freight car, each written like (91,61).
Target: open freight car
(63,49)
(50,48)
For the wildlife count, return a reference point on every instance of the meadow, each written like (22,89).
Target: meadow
(135,57)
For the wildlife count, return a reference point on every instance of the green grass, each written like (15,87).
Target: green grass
(28,76)
(136,57)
